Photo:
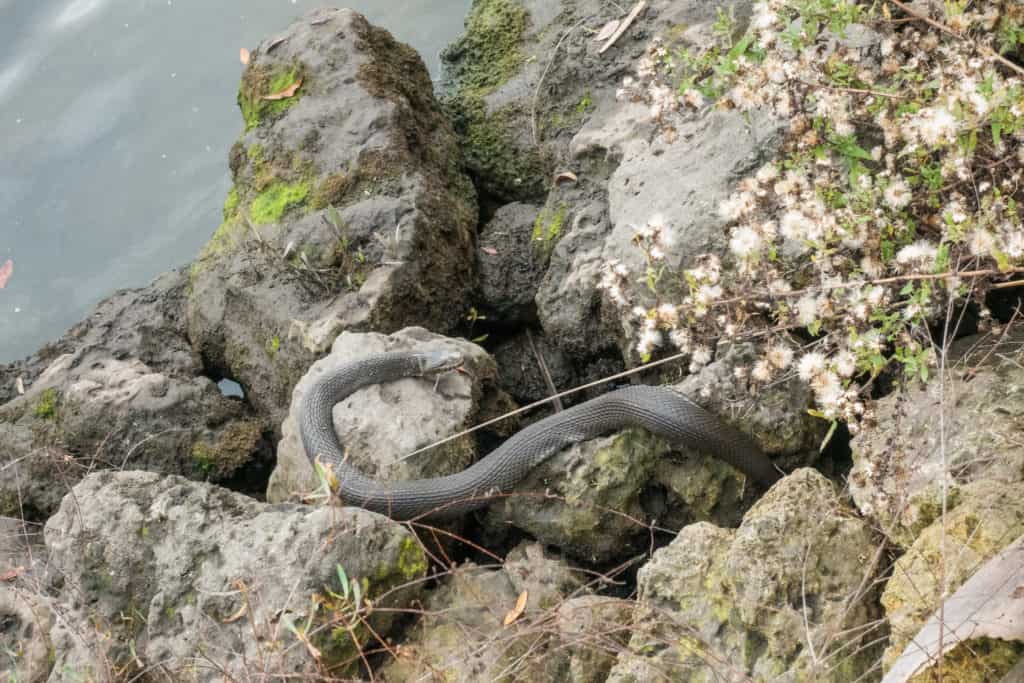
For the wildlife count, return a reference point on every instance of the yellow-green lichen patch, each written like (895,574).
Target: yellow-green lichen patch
(271,204)
(231,204)
(46,407)
(547,228)
(259,82)
(412,561)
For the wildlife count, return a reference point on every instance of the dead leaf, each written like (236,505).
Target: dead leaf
(19,384)
(274,43)
(284,94)
(237,615)
(243,56)
(607,30)
(11,574)
(489,250)
(1017,593)
(517,611)
(981,608)
(5,273)
(566,177)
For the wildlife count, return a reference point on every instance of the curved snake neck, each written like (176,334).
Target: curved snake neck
(659,410)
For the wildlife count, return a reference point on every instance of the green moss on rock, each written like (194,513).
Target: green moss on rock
(489,52)
(271,204)
(46,407)
(486,57)
(260,81)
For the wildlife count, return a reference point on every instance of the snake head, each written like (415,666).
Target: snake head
(442,360)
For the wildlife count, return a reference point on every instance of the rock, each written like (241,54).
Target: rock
(461,635)
(594,629)
(989,516)
(897,466)
(596,499)
(510,276)
(124,391)
(381,422)
(776,417)
(25,610)
(747,602)
(646,174)
(349,210)
(587,500)
(202,582)
(520,374)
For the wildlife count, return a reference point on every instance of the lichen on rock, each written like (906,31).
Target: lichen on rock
(785,597)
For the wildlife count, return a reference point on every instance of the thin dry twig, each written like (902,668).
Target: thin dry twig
(626,23)
(556,402)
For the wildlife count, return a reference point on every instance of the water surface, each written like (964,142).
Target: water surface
(116,120)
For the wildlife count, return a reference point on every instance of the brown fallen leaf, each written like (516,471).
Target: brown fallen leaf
(11,574)
(5,273)
(274,43)
(237,615)
(243,56)
(489,250)
(607,30)
(284,94)
(565,177)
(517,611)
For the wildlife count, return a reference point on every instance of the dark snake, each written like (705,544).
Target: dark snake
(659,410)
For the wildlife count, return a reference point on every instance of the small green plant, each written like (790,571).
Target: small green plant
(46,407)
(273,345)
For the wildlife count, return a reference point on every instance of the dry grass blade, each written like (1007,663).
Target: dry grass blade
(626,23)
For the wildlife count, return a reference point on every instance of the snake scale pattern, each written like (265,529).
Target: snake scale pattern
(659,410)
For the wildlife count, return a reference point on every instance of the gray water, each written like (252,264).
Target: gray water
(116,117)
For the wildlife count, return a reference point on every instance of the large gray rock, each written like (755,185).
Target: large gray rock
(123,391)
(461,635)
(202,583)
(382,422)
(785,597)
(898,474)
(285,273)
(637,172)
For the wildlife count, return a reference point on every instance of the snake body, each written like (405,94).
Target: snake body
(659,410)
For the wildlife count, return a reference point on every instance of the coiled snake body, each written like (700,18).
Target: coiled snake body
(659,410)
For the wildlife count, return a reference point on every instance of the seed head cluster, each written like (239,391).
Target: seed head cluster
(901,167)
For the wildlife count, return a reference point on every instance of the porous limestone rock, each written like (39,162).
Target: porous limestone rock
(382,422)
(988,517)
(897,475)
(122,389)
(461,636)
(510,263)
(349,209)
(202,583)
(785,597)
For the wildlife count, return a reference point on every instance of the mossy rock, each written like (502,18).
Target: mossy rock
(989,516)
(260,82)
